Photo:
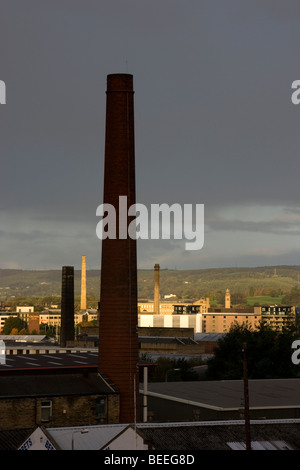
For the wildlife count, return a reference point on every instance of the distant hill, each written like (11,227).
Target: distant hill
(189,284)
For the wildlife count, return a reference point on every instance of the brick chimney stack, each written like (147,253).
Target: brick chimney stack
(67,330)
(118,340)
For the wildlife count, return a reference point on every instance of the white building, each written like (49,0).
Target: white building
(171,321)
(24,309)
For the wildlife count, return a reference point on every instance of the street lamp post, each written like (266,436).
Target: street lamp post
(246,398)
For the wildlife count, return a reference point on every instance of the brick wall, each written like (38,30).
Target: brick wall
(171,348)
(17,413)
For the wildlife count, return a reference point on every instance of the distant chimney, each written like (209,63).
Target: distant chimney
(227,299)
(67,331)
(156,289)
(118,339)
(83,284)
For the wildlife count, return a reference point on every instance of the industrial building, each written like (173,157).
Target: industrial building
(46,387)
(174,437)
(218,400)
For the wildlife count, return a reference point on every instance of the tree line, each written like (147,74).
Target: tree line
(268,353)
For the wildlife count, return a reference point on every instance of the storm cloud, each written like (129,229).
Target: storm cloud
(214,121)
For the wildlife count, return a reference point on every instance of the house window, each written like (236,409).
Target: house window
(46,410)
(100,408)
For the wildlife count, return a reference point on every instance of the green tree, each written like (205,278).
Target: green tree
(293,297)
(13,323)
(268,354)
(238,298)
(173,370)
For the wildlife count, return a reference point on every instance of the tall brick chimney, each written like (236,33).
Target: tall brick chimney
(118,340)
(83,283)
(67,329)
(156,289)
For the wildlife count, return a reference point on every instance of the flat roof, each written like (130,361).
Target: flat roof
(228,394)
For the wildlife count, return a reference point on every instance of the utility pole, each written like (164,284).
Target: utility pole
(246,398)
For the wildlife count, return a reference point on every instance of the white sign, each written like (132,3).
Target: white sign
(37,441)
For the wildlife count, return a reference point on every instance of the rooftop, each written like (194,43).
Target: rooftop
(49,385)
(62,360)
(207,435)
(228,394)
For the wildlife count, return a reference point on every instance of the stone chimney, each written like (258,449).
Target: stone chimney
(83,284)
(156,289)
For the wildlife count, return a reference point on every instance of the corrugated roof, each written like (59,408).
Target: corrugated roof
(208,336)
(94,439)
(166,339)
(25,338)
(51,360)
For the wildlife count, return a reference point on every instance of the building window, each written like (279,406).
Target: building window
(46,410)
(100,408)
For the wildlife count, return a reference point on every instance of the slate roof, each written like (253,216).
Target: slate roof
(12,439)
(217,436)
(14,386)
(198,436)
(189,436)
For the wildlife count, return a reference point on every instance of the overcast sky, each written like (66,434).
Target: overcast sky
(214,125)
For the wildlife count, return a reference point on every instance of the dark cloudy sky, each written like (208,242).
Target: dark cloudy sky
(214,125)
